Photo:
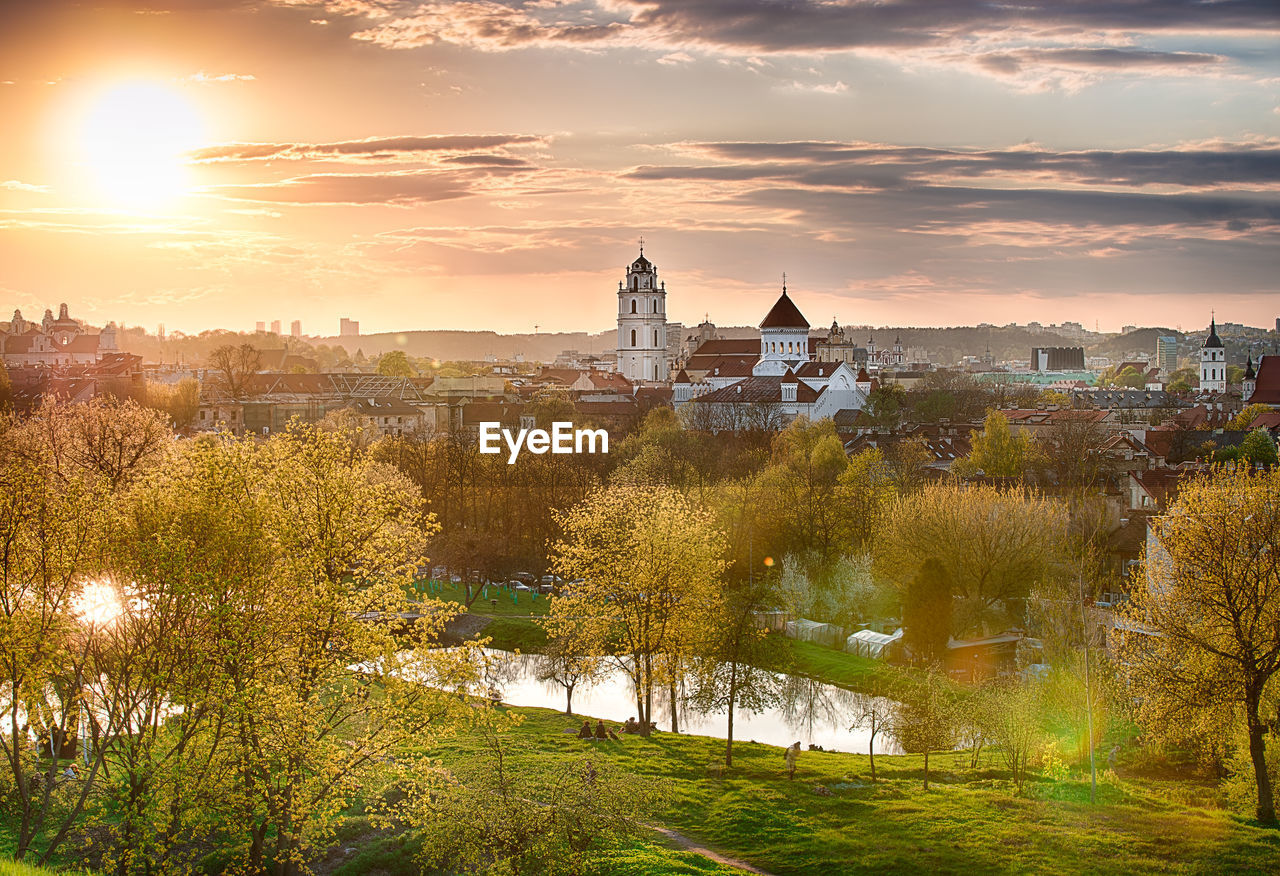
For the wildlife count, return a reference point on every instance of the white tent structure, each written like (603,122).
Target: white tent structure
(867,643)
(812,631)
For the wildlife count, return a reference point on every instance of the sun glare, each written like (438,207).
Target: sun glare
(133,141)
(98,604)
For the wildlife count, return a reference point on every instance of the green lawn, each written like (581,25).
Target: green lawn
(501,602)
(832,819)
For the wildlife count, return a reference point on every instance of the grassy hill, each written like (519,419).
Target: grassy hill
(832,819)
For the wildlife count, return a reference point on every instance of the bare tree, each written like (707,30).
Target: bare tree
(238,364)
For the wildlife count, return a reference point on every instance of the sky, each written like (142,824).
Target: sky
(493,165)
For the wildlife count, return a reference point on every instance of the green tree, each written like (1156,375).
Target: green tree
(1258,447)
(1245,418)
(997,451)
(1204,618)
(926,717)
(995,545)
(395,364)
(865,490)
(645,566)
(926,613)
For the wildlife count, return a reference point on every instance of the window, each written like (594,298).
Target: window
(633,337)
(655,337)
(633,305)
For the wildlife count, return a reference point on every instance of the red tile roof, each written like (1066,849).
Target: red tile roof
(784,314)
(1267,388)
(756,389)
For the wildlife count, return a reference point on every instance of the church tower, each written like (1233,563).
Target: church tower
(642,323)
(1213,362)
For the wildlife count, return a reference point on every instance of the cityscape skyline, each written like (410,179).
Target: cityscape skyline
(491,166)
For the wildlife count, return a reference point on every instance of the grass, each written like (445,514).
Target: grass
(499,604)
(832,819)
(13,868)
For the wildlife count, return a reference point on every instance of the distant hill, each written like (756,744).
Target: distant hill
(1141,339)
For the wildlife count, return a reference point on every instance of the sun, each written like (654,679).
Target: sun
(133,140)
(98,604)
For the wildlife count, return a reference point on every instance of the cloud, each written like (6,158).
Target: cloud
(374,149)
(1036,43)
(207,78)
(1252,166)
(14,185)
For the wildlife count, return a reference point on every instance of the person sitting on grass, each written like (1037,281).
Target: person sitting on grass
(585,732)
(631,726)
(601,732)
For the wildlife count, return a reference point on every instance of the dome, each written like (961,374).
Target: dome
(1213,340)
(785,314)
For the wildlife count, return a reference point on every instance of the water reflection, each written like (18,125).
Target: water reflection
(813,713)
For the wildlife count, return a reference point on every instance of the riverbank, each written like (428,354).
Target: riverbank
(833,819)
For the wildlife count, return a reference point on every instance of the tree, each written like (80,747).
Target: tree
(1010,711)
(885,406)
(237,364)
(997,451)
(926,613)
(872,711)
(1130,378)
(1245,418)
(645,565)
(1071,449)
(865,490)
(102,440)
(1206,613)
(800,481)
(925,718)
(994,544)
(395,364)
(1258,448)
(737,667)
(559,665)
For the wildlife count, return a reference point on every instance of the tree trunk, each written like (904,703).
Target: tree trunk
(871,750)
(675,720)
(568,699)
(1257,752)
(733,690)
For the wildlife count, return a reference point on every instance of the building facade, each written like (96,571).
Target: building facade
(643,354)
(1213,362)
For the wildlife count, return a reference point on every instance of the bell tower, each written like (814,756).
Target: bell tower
(1213,362)
(642,323)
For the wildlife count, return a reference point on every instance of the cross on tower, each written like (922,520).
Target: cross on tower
(642,244)
(784,281)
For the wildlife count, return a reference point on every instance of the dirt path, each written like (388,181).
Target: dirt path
(690,846)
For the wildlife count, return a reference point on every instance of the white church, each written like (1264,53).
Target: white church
(785,381)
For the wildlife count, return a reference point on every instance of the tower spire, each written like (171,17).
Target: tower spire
(784,282)
(642,244)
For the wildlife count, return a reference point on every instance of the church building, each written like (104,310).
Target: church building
(1213,362)
(643,355)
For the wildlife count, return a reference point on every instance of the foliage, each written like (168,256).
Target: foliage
(645,566)
(926,613)
(493,817)
(1011,714)
(927,717)
(1245,418)
(997,451)
(395,364)
(237,365)
(865,490)
(994,544)
(1203,650)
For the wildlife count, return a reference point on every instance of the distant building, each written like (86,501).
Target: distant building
(260,327)
(1057,359)
(1213,362)
(1167,354)
(160,331)
(295,329)
(275,326)
(642,324)
(348,328)
(54,342)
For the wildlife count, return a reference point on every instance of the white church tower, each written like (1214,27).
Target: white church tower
(1213,362)
(642,323)
(784,338)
